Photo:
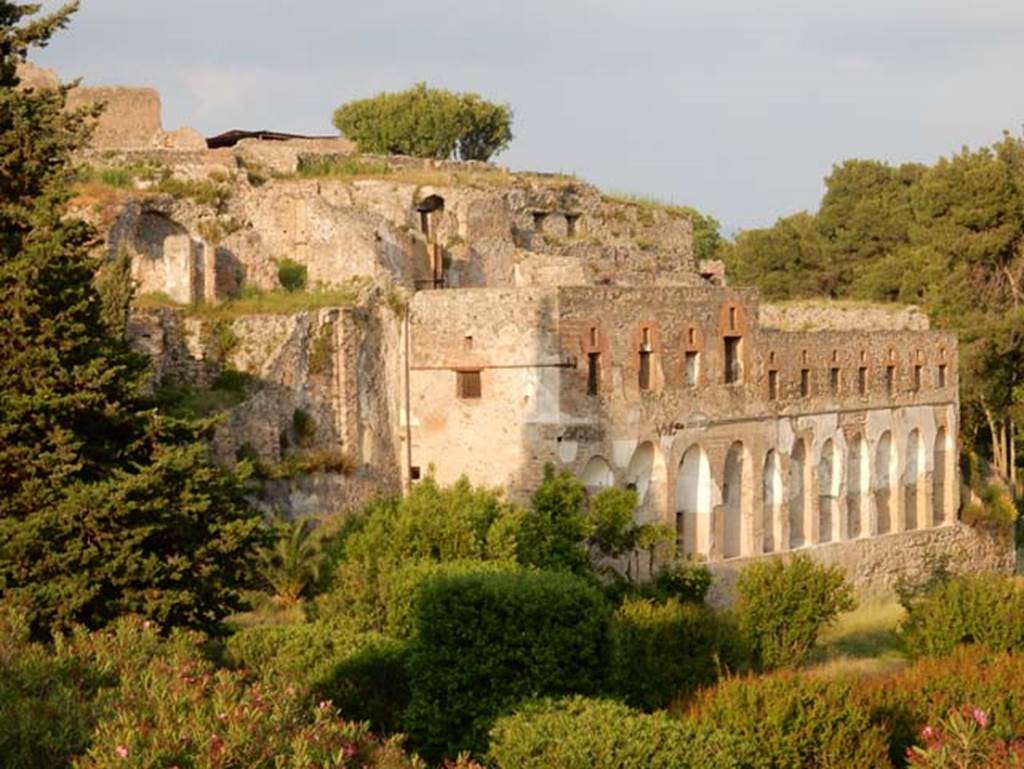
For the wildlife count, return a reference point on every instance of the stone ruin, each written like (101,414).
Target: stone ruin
(508,321)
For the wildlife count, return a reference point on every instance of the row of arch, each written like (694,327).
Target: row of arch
(854,490)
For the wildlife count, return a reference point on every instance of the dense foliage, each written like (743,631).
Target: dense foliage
(781,607)
(581,733)
(105,507)
(427,123)
(947,237)
(484,642)
(986,610)
(661,652)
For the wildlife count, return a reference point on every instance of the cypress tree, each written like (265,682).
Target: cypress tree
(106,507)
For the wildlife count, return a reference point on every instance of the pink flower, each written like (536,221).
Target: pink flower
(324,704)
(350,750)
(121,751)
(980,717)
(928,733)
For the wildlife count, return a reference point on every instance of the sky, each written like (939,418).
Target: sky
(736,107)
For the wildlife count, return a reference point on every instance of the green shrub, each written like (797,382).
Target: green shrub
(782,607)
(427,122)
(682,580)
(302,653)
(551,532)
(580,733)
(291,275)
(363,674)
(304,426)
(454,523)
(985,609)
(401,588)
(47,700)
(370,685)
(786,720)
(658,652)
(484,642)
(996,511)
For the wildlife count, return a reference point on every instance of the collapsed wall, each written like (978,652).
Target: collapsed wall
(312,396)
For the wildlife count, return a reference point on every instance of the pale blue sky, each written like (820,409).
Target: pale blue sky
(737,107)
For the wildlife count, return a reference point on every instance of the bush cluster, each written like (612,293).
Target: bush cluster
(987,610)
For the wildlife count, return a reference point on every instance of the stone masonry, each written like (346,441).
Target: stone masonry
(508,321)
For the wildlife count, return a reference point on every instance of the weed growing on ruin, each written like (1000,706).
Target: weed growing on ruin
(321,349)
(292,275)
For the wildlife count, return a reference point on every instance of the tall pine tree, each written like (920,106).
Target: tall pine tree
(105,507)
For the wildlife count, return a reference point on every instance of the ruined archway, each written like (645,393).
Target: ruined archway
(736,500)
(597,474)
(913,496)
(828,492)
(646,475)
(693,502)
(858,475)
(885,473)
(942,475)
(164,258)
(771,501)
(797,493)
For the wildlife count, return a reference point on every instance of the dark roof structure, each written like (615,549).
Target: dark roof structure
(231,138)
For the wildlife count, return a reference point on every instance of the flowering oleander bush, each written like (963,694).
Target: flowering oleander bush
(963,740)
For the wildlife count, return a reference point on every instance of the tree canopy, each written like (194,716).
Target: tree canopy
(428,123)
(949,237)
(105,507)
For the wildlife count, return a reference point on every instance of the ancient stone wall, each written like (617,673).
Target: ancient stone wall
(874,566)
(336,366)
(822,315)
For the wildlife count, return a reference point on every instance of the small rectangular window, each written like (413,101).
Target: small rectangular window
(467,384)
(593,372)
(773,385)
(890,379)
(733,367)
(593,336)
(645,370)
(942,375)
(805,382)
(414,473)
(692,368)
(862,380)
(833,380)
(917,379)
